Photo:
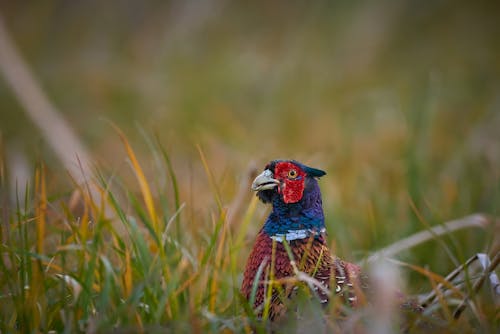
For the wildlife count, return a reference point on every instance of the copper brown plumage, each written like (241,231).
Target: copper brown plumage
(312,257)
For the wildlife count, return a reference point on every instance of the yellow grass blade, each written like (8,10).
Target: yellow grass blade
(50,266)
(211,178)
(431,275)
(41,208)
(140,328)
(84,220)
(141,178)
(218,260)
(187,283)
(245,222)
(441,299)
(268,299)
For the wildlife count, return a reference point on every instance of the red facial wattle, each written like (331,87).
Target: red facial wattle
(291,179)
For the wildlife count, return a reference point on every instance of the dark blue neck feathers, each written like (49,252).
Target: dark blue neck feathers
(307,214)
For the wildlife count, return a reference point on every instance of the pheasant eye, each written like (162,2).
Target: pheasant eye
(292,173)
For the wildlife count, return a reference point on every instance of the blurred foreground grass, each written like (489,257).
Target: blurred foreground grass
(67,267)
(398,103)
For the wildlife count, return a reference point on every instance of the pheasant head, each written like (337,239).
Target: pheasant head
(293,191)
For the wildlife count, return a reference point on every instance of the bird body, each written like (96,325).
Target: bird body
(293,238)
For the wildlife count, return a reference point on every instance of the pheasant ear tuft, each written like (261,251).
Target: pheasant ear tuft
(314,172)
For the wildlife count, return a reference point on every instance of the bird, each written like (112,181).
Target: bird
(293,239)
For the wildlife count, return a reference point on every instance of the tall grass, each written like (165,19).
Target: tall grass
(148,267)
(90,272)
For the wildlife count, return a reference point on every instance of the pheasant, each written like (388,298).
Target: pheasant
(296,230)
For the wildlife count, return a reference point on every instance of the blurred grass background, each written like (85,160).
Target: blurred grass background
(398,102)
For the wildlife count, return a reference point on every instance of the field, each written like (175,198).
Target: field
(128,146)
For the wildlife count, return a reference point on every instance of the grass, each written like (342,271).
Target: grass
(89,272)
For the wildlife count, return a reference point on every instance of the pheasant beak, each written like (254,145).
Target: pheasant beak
(264,181)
